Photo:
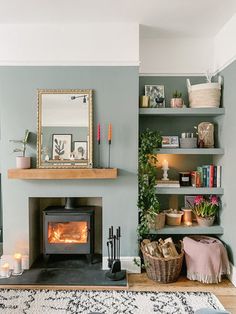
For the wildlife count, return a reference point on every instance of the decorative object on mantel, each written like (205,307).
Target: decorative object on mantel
(113,247)
(206,95)
(65,116)
(206,259)
(162,259)
(22,162)
(177,100)
(205,209)
(109,144)
(98,143)
(148,203)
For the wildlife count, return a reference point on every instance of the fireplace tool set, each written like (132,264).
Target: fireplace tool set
(113,246)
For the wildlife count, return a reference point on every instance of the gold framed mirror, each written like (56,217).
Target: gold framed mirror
(65,129)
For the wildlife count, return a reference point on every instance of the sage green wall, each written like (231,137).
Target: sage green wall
(228,134)
(115,100)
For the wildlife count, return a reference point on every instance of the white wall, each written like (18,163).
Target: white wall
(174,56)
(225,45)
(69,44)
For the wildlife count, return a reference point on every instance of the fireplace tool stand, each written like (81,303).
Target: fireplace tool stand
(113,247)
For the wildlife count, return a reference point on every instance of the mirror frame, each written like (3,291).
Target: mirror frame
(60,165)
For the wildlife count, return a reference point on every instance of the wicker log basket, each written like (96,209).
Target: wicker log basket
(164,270)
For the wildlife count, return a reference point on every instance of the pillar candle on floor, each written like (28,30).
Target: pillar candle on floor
(17,268)
(5,271)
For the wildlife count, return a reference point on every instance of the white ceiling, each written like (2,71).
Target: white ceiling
(158,18)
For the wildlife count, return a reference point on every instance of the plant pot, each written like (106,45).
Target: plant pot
(205,221)
(176,103)
(160,221)
(174,219)
(23,162)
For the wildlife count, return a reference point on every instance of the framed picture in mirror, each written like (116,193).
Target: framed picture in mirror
(65,116)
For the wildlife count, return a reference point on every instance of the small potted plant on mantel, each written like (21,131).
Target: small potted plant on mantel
(22,162)
(205,209)
(149,208)
(176,100)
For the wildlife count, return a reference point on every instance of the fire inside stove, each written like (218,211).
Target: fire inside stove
(68,232)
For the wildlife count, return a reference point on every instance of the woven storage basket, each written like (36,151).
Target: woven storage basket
(204,95)
(163,270)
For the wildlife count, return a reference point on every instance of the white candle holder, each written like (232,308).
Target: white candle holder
(17,266)
(5,271)
(165,174)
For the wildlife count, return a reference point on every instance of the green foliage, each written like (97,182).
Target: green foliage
(148,203)
(23,143)
(177,94)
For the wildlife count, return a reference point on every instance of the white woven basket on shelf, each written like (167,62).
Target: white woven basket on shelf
(205,95)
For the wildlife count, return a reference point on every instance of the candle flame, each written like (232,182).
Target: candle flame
(17,256)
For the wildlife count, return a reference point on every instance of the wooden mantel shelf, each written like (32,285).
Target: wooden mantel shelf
(62,174)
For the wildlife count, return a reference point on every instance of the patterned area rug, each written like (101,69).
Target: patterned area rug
(67,302)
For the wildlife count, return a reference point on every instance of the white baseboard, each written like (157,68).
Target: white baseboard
(127,263)
(10,260)
(232,276)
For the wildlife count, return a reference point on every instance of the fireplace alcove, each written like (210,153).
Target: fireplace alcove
(57,232)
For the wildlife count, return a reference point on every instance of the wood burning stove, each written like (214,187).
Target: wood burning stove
(68,231)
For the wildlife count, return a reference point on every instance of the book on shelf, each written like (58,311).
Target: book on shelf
(207,176)
(167,183)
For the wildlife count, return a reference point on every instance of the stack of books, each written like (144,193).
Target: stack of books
(167,184)
(208,176)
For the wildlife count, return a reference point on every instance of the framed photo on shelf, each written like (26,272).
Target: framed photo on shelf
(170,142)
(156,95)
(61,146)
(81,150)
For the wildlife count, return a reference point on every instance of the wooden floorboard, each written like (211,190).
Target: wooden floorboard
(225,291)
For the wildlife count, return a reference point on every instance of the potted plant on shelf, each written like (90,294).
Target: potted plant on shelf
(148,204)
(22,162)
(205,209)
(177,100)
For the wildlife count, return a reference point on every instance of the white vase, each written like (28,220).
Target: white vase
(23,162)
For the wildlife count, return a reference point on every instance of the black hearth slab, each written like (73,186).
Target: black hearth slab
(62,277)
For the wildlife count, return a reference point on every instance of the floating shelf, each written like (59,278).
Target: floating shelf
(181,111)
(194,229)
(190,190)
(191,151)
(62,174)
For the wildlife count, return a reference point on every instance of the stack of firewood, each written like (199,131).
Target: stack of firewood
(161,248)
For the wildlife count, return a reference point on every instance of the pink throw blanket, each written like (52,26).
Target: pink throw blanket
(206,259)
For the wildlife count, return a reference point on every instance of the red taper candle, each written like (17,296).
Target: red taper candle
(99,133)
(109,133)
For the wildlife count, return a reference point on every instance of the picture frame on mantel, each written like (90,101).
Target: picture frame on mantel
(64,116)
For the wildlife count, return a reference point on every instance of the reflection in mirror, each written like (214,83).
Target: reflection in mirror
(64,128)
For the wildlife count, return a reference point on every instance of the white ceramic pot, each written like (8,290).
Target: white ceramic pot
(23,162)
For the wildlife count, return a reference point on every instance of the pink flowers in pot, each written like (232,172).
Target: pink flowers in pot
(205,207)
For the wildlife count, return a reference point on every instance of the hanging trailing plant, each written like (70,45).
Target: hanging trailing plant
(148,203)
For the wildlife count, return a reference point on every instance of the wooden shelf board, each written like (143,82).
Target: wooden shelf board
(194,229)
(191,151)
(62,174)
(190,190)
(181,111)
